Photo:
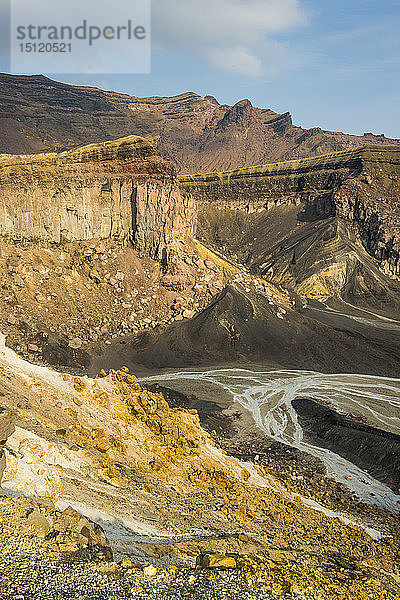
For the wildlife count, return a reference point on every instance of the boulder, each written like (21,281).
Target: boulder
(67,535)
(38,523)
(33,348)
(109,568)
(80,531)
(189,314)
(209,264)
(175,283)
(216,561)
(75,343)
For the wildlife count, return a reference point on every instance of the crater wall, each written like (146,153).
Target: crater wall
(361,186)
(120,189)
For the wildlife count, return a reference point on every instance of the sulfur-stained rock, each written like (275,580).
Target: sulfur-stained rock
(216,561)
(7,428)
(65,535)
(109,568)
(80,530)
(128,563)
(209,264)
(38,523)
(150,570)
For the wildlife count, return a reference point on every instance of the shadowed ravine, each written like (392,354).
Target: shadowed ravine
(374,450)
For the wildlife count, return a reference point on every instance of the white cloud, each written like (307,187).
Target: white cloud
(236,60)
(232,35)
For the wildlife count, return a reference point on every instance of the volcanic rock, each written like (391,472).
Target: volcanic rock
(6,429)
(217,561)
(121,189)
(317,189)
(198,134)
(38,523)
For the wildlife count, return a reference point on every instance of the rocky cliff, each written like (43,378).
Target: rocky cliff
(197,133)
(361,186)
(121,189)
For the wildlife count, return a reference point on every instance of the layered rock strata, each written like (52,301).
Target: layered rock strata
(121,189)
(360,186)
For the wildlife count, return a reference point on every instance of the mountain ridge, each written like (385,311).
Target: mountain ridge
(197,133)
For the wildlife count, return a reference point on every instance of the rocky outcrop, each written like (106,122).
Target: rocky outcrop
(372,203)
(6,429)
(65,535)
(264,186)
(360,186)
(121,189)
(240,113)
(196,132)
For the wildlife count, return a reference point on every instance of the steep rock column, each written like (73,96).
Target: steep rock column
(162,215)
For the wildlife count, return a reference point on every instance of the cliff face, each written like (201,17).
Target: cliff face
(198,134)
(372,203)
(120,189)
(361,187)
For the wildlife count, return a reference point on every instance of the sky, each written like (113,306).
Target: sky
(334,64)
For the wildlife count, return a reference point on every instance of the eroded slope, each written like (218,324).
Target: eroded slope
(109,447)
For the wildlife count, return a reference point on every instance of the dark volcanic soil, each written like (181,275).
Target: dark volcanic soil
(241,327)
(373,450)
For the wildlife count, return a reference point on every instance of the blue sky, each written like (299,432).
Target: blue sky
(331,63)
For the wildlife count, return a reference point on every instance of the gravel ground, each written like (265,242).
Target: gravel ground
(38,578)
